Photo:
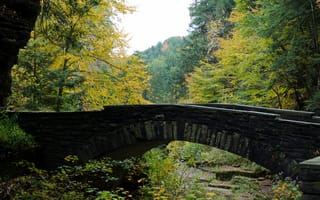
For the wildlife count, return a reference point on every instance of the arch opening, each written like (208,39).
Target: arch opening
(201,154)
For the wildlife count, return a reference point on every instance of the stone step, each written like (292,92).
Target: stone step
(229,172)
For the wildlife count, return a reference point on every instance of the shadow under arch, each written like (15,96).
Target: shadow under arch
(138,138)
(138,150)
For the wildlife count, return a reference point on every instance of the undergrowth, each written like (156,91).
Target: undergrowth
(97,179)
(162,173)
(12,137)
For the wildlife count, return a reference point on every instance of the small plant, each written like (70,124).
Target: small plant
(286,189)
(109,195)
(192,153)
(169,178)
(246,185)
(160,170)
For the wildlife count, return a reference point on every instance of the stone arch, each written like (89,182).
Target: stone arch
(154,133)
(162,132)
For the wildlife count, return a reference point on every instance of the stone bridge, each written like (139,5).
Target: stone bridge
(276,139)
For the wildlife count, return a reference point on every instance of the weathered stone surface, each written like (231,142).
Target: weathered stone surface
(311,187)
(310,197)
(310,176)
(309,170)
(285,114)
(17,18)
(262,137)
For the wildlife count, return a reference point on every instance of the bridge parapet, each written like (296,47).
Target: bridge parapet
(283,113)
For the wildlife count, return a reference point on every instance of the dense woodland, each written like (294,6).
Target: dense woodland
(248,52)
(252,52)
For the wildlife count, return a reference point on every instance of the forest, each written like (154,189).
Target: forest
(263,53)
(252,52)
(243,52)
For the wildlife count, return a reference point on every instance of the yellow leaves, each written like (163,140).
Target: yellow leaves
(241,74)
(211,195)
(286,190)
(72,61)
(123,83)
(202,86)
(241,48)
(121,6)
(236,16)
(133,81)
(316,153)
(71,158)
(85,54)
(111,76)
(160,194)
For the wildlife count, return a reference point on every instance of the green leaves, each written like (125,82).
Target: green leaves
(166,82)
(97,179)
(270,59)
(12,138)
(292,26)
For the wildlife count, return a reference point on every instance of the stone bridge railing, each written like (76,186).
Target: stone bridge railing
(276,139)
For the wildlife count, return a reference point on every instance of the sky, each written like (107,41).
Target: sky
(154,21)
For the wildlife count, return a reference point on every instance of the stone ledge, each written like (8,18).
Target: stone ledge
(313,163)
(284,113)
(310,176)
(299,122)
(310,187)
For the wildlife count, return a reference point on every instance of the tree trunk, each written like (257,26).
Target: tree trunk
(17,19)
(314,29)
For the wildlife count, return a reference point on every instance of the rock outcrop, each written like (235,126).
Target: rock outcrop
(17,19)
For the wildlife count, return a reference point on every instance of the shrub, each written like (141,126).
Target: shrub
(192,153)
(93,180)
(314,103)
(285,189)
(169,178)
(12,137)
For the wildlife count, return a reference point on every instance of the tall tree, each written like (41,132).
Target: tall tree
(293,27)
(199,44)
(87,51)
(208,23)
(164,68)
(31,87)
(125,84)
(242,74)
(271,59)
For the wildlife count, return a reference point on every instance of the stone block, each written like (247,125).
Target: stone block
(310,187)
(310,197)
(309,170)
